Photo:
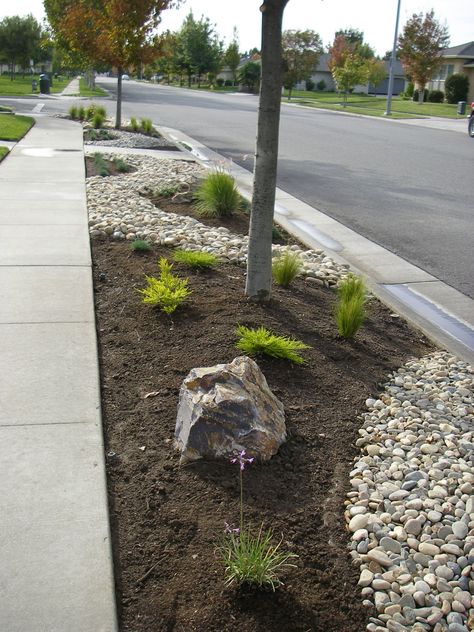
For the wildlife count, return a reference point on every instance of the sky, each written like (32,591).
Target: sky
(375,18)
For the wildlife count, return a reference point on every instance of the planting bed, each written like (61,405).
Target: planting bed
(166,519)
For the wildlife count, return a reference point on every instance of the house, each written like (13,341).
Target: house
(322,73)
(457,59)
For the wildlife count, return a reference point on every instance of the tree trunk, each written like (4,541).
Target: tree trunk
(118,115)
(259,260)
(421,94)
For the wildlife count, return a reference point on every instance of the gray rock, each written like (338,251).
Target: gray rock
(228,408)
(389,544)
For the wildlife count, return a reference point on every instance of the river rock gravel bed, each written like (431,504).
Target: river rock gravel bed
(132,140)
(118,208)
(410,510)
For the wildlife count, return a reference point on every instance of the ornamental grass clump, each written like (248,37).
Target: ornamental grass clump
(262,341)
(98,120)
(73,112)
(253,560)
(81,113)
(167,292)
(217,195)
(146,125)
(286,267)
(100,165)
(196,259)
(350,310)
(121,165)
(140,245)
(134,124)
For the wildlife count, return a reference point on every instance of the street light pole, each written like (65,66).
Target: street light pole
(393,58)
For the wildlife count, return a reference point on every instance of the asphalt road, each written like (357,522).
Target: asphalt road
(408,188)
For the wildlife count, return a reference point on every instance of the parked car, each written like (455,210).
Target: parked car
(125,77)
(470,125)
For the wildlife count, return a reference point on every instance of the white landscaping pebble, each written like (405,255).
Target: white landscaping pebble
(417,486)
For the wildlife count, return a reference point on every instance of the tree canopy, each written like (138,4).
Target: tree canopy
(198,49)
(419,47)
(116,32)
(20,41)
(301,52)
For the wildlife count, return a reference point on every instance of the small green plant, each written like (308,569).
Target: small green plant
(101,165)
(167,191)
(262,341)
(121,165)
(252,559)
(167,292)
(350,310)
(285,268)
(140,245)
(196,259)
(276,235)
(73,112)
(94,109)
(146,125)
(134,124)
(217,196)
(98,120)
(81,113)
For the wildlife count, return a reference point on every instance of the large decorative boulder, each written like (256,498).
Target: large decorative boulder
(227,408)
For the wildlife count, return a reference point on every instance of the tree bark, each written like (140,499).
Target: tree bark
(118,114)
(259,260)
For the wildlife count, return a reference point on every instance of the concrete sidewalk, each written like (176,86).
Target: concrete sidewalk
(72,88)
(55,549)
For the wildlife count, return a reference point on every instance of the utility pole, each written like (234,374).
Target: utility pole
(393,58)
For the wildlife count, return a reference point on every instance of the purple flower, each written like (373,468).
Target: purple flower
(228,529)
(242,460)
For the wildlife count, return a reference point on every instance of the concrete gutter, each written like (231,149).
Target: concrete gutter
(443,314)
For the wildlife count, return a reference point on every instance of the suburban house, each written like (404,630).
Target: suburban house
(458,59)
(322,73)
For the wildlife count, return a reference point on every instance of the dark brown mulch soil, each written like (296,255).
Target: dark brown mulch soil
(168,519)
(237,223)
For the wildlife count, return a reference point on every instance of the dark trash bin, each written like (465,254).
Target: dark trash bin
(461,107)
(44,84)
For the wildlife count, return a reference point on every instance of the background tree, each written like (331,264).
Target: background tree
(301,52)
(249,75)
(352,61)
(376,71)
(232,56)
(456,88)
(199,50)
(19,41)
(353,72)
(419,47)
(259,259)
(115,32)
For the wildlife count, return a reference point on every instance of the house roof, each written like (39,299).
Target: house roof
(397,67)
(463,50)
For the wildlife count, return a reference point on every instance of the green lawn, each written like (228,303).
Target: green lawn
(3,152)
(22,86)
(85,91)
(13,127)
(373,106)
